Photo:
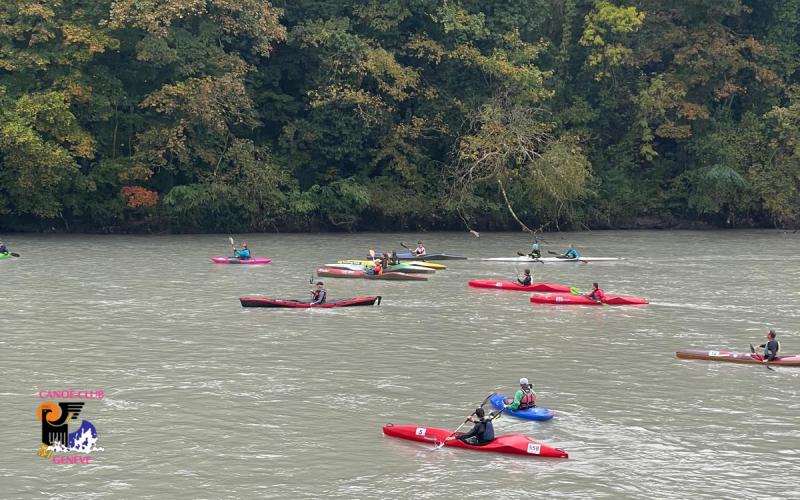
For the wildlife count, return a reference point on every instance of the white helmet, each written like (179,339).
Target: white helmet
(523,381)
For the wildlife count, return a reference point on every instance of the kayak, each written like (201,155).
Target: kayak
(537,413)
(429,256)
(510,285)
(513,444)
(550,259)
(5,255)
(737,357)
(328,272)
(370,263)
(234,260)
(582,300)
(304,304)
(407,268)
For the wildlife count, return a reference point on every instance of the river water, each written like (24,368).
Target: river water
(206,399)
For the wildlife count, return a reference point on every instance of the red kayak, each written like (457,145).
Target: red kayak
(582,300)
(510,285)
(301,304)
(234,260)
(514,444)
(737,357)
(333,272)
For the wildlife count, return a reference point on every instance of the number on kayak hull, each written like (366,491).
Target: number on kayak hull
(713,353)
(534,449)
(421,431)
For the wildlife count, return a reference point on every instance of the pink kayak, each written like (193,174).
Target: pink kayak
(582,300)
(514,444)
(510,285)
(234,260)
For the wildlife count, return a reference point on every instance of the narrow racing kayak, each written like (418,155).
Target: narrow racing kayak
(551,259)
(516,287)
(304,304)
(582,300)
(5,256)
(328,272)
(405,268)
(429,256)
(371,263)
(513,444)
(537,413)
(737,357)
(234,260)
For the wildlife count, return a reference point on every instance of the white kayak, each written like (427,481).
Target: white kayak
(550,259)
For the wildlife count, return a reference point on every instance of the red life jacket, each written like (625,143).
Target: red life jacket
(528,399)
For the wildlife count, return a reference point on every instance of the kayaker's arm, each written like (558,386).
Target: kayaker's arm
(517,399)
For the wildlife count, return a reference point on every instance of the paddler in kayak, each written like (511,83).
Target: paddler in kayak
(3,249)
(319,295)
(243,254)
(771,348)
(482,430)
(535,252)
(571,253)
(596,294)
(420,250)
(377,268)
(524,398)
(394,259)
(526,278)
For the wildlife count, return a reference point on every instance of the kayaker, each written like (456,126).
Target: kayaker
(571,253)
(243,254)
(319,295)
(526,279)
(596,294)
(482,431)
(377,268)
(420,250)
(385,260)
(535,252)
(3,248)
(524,398)
(771,348)
(394,259)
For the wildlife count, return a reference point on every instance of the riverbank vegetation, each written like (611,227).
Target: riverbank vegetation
(220,115)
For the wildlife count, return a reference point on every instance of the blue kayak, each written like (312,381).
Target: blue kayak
(536,413)
(428,256)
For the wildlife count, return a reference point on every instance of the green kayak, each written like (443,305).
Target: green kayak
(409,268)
(5,256)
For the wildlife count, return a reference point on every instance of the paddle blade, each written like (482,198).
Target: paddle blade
(372,253)
(574,290)
(230,238)
(14,254)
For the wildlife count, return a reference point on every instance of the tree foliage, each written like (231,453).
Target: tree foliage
(366,114)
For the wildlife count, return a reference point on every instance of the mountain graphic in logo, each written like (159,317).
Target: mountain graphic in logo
(56,419)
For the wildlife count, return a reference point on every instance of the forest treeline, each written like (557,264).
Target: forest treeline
(234,115)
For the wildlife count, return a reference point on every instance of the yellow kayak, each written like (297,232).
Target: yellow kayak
(369,263)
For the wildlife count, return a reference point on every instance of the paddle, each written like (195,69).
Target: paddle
(14,254)
(233,245)
(404,246)
(766,364)
(439,445)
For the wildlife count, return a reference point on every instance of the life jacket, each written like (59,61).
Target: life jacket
(317,294)
(777,350)
(528,399)
(488,432)
(526,280)
(597,295)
